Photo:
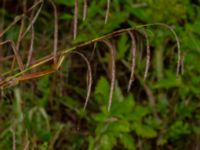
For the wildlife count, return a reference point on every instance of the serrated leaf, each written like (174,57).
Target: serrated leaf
(178,129)
(122,47)
(66,17)
(144,130)
(119,126)
(44,135)
(64,2)
(128,104)
(128,141)
(161,141)
(102,89)
(140,112)
(107,142)
(117,94)
(168,82)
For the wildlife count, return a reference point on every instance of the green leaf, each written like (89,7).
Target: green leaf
(102,89)
(119,126)
(178,129)
(144,130)
(66,17)
(91,142)
(66,3)
(128,141)
(168,82)
(117,94)
(139,13)
(128,104)
(163,105)
(43,134)
(140,112)
(122,47)
(114,21)
(107,142)
(162,141)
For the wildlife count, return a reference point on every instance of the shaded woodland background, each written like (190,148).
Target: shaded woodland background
(161,112)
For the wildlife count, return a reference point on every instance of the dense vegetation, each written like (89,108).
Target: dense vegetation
(160,112)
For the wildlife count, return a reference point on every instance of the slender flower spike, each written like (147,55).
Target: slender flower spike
(107,11)
(133,52)
(84,9)
(55,44)
(89,78)
(75,18)
(113,70)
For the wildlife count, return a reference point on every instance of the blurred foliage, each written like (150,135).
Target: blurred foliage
(47,113)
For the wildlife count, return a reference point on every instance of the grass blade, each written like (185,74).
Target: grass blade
(18,57)
(30,53)
(33,20)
